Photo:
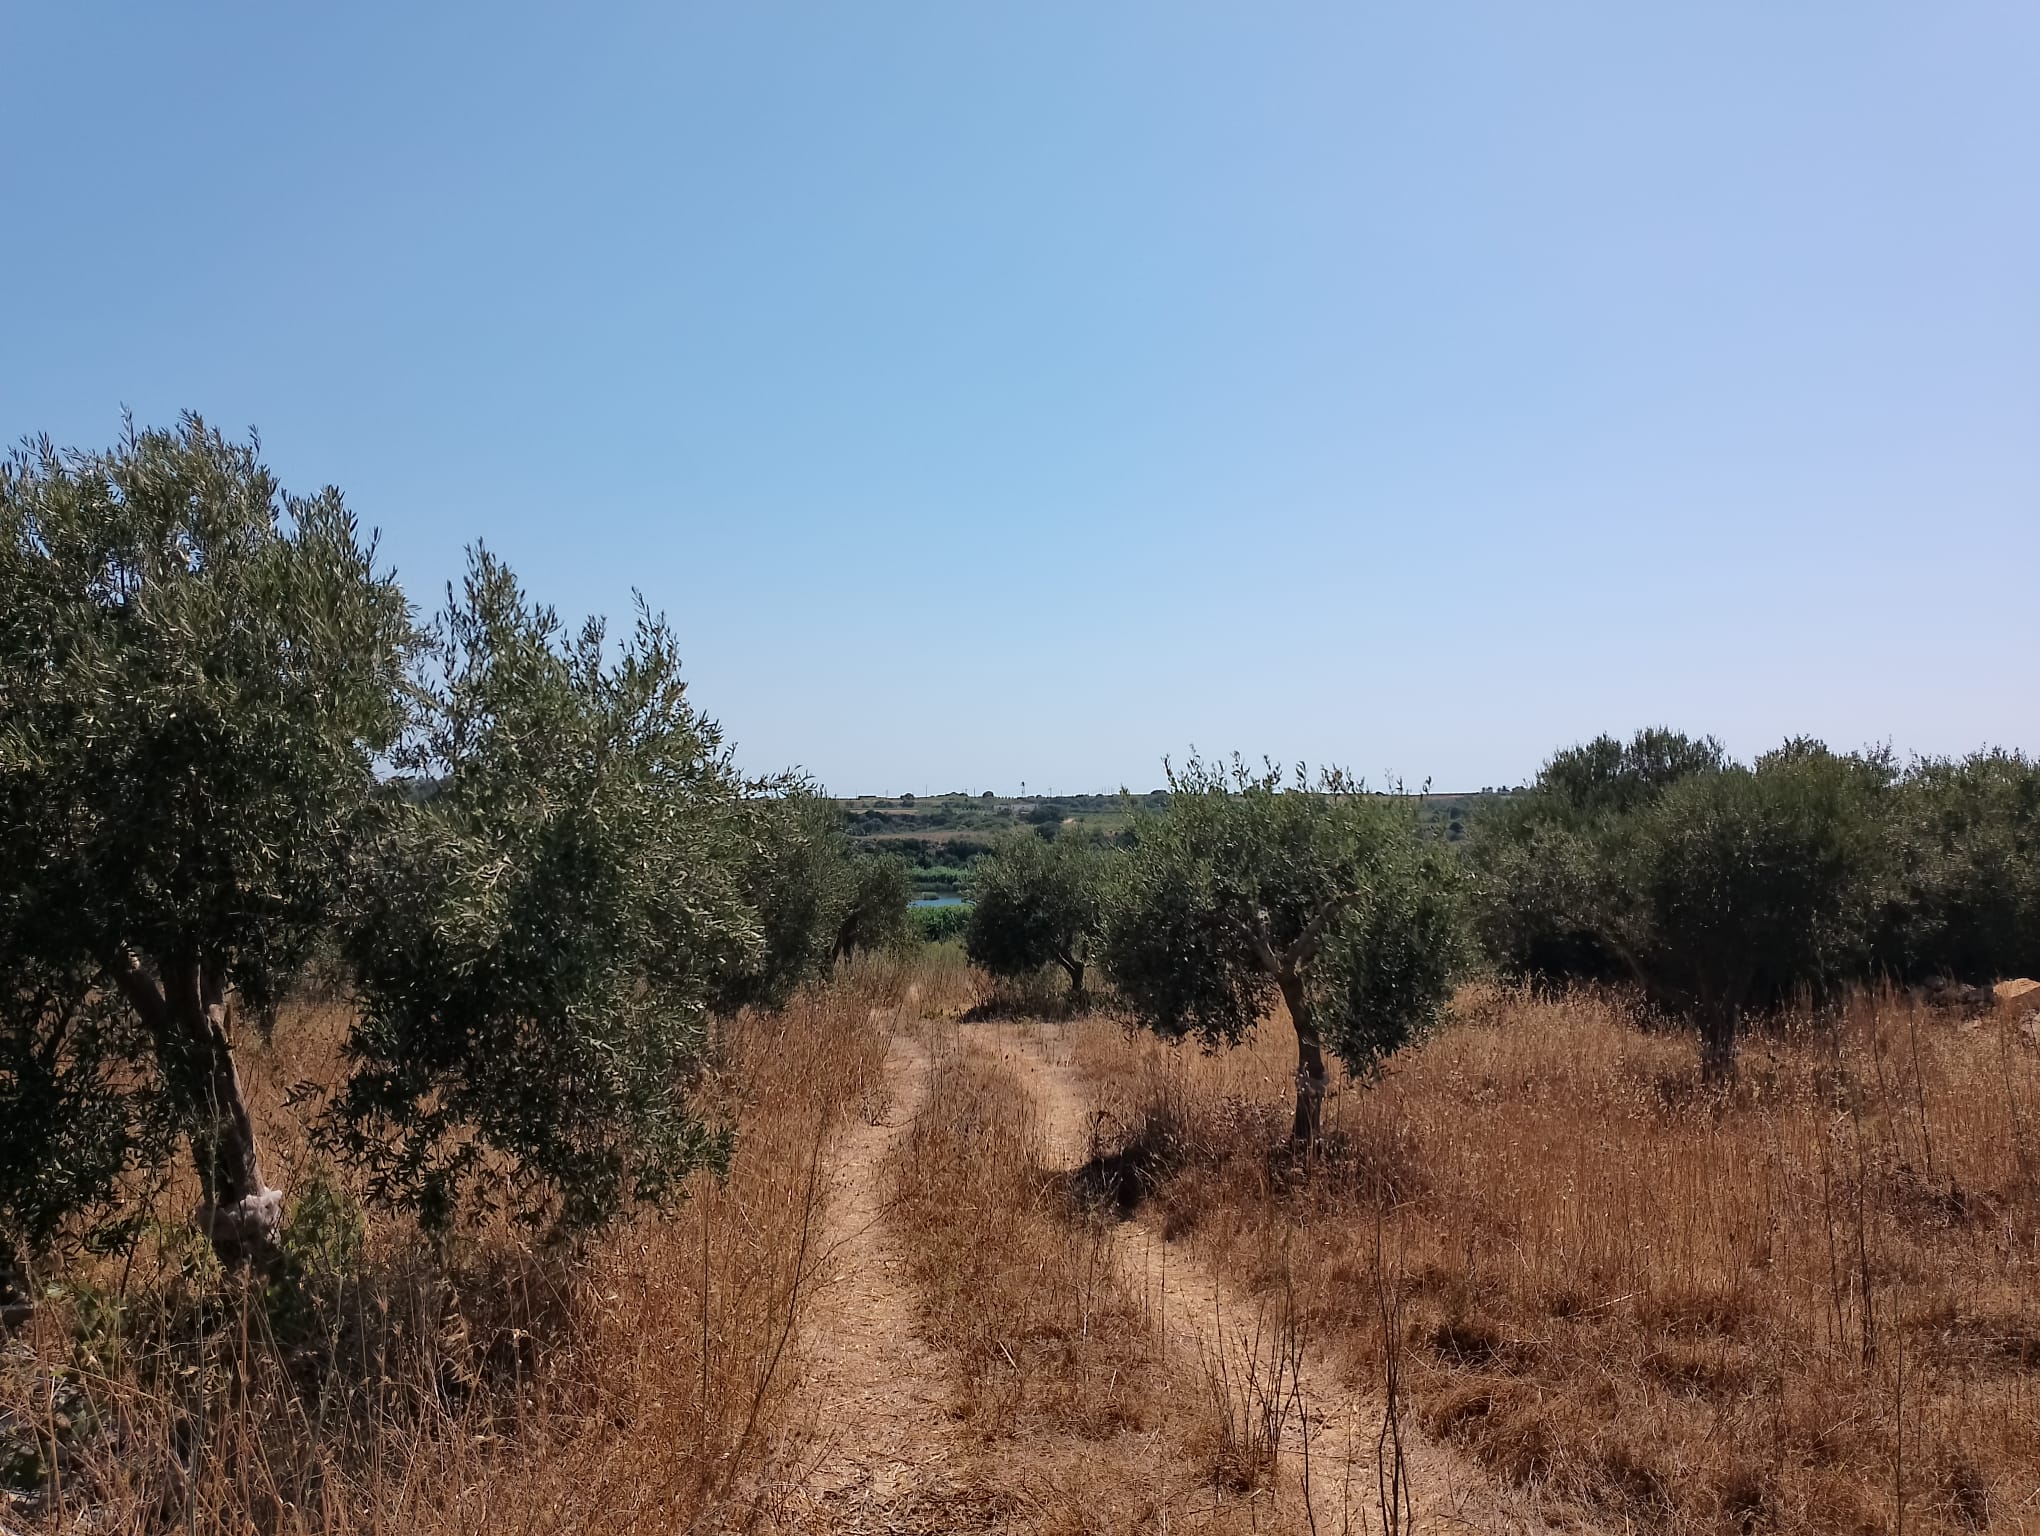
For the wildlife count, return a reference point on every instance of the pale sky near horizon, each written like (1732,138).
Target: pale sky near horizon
(1002,392)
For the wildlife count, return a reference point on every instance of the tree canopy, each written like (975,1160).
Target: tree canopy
(1247,887)
(1738,887)
(551,913)
(224,744)
(1965,858)
(197,671)
(1717,888)
(1038,902)
(1540,861)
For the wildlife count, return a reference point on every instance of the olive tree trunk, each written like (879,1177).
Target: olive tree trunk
(186,1013)
(1717,1043)
(1719,995)
(1074,969)
(1287,967)
(1310,1066)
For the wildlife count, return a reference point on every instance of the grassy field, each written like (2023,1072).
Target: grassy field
(1811,1304)
(1052,1277)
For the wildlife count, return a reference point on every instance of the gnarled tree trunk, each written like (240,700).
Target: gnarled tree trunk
(1287,967)
(1074,969)
(1310,1066)
(186,1013)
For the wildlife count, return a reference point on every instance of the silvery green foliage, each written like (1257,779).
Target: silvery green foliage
(1714,887)
(1743,887)
(876,917)
(557,898)
(1247,888)
(792,873)
(196,673)
(81,1128)
(1966,856)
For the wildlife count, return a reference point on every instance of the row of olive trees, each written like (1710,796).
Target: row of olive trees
(1721,889)
(225,745)
(1242,890)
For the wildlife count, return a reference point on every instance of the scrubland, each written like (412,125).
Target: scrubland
(1807,1303)
(639,1381)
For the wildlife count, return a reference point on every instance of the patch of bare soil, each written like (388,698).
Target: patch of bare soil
(1333,1445)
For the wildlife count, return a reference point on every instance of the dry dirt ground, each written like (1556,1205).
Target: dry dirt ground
(880,1454)
(876,1453)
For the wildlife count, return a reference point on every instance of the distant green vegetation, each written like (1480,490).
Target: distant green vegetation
(940,838)
(939,925)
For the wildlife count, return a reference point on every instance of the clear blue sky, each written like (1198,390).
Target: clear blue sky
(1022,391)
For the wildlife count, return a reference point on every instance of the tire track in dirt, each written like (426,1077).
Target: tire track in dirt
(879,1455)
(1200,1315)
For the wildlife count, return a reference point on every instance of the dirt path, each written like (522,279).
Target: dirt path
(1200,1315)
(880,1454)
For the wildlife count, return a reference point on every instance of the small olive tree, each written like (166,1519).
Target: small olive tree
(1038,902)
(794,873)
(875,916)
(1243,890)
(197,671)
(557,898)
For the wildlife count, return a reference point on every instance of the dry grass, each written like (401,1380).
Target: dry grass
(493,1387)
(1077,1420)
(1813,1305)
(1014,1282)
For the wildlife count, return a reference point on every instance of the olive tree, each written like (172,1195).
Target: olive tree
(1965,836)
(1038,902)
(1541,860)
(879,891)
(558,897)
(792,854)
(1738,888)
(1243,890)
(197,671)
(817,900)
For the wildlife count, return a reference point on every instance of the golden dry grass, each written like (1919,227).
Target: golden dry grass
(1078,1421)
(636,1385)
(1812,1305)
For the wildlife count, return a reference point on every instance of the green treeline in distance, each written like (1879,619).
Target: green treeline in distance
(942,837)
(1717,889)
(1721,888)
